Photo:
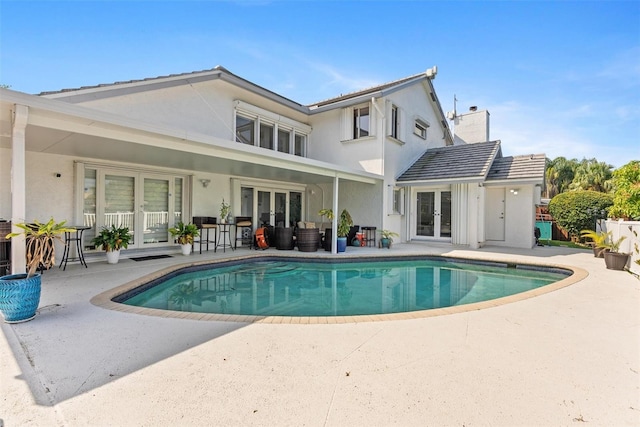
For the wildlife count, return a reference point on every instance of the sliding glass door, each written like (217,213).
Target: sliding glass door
(147,204)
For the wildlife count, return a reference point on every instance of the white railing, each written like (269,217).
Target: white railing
(119,219)
(126,219)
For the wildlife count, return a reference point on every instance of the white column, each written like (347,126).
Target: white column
(18,187)
(336,214)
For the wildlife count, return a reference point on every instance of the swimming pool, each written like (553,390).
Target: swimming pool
(278,286)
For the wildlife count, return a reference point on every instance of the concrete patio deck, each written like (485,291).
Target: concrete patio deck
(568,357)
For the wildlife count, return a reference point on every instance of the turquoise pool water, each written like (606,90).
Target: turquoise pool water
(291,287)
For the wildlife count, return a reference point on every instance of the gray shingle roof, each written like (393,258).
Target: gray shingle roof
(518,167)
(471,161)
(366,91)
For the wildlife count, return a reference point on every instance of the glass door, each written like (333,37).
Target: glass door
(144,203)
(433,215)
(155,210)
(119,203)
(278,208)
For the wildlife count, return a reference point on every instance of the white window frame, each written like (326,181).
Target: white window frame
(396,200)
(347,131)
(261,116)
(420,127)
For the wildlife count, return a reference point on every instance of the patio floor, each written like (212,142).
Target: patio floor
(567,357)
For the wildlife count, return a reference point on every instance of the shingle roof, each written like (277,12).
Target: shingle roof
(471,161)
(518,167)
(52,92)
(365,91)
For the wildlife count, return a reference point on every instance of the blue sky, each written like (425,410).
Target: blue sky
(560,78)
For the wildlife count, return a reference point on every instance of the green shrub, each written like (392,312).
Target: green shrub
(577,210)
(626,193)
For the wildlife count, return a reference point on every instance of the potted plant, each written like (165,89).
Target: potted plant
(613,258)
(345,222)
(111,240)
(225,210)
(598,241)
(184,234)
(386,238)
(20,293)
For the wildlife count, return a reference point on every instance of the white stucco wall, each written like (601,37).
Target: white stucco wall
(205,107)
(5,183)
(519,217)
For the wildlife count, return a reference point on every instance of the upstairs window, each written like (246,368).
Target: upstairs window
(265,129)
(266,136)
(245,130)
(284,141)
(300,148)
(420,128)
(361,122)
(395,123)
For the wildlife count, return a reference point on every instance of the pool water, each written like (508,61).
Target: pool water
(296,288)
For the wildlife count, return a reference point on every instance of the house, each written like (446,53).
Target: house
(148,153)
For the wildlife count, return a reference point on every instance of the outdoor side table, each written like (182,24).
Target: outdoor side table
(224,237)
(69,238)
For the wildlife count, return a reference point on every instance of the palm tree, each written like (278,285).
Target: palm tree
(592,175)
(559,175)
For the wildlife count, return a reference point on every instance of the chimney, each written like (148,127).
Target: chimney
(472,126)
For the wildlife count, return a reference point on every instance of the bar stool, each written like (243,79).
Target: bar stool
(243,223)
(369,238)
(206,223)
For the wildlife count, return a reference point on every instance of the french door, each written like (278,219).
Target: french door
(147,204)
(275,207)
(432,215)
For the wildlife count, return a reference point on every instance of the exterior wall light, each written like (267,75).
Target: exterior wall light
(205,182)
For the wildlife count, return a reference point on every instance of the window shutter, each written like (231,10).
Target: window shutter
(373,118)
(346,124)
(387,113)
(402,125)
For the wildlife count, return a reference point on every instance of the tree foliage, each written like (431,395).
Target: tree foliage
(577,210)
(592,175)
(626,191)
(559,175)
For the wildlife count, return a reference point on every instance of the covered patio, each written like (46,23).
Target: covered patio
(45,140)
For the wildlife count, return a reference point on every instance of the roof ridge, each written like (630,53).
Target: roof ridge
(364,91)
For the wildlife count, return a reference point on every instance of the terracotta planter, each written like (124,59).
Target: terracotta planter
(615,260)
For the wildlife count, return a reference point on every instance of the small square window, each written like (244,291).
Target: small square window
(420,129)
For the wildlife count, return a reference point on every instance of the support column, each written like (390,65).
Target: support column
(334,223)
(18,187)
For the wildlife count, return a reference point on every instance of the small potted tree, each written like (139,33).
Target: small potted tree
(184,235)
(345,222)
(386,238)
(225,210)
(613,258)
(20,293)
(598,241)
(111,240)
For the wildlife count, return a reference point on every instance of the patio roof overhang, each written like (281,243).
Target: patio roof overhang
(57,127)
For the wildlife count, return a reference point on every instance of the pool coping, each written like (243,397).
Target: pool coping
(104,299)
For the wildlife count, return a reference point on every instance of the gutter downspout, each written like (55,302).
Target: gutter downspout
(382,171)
